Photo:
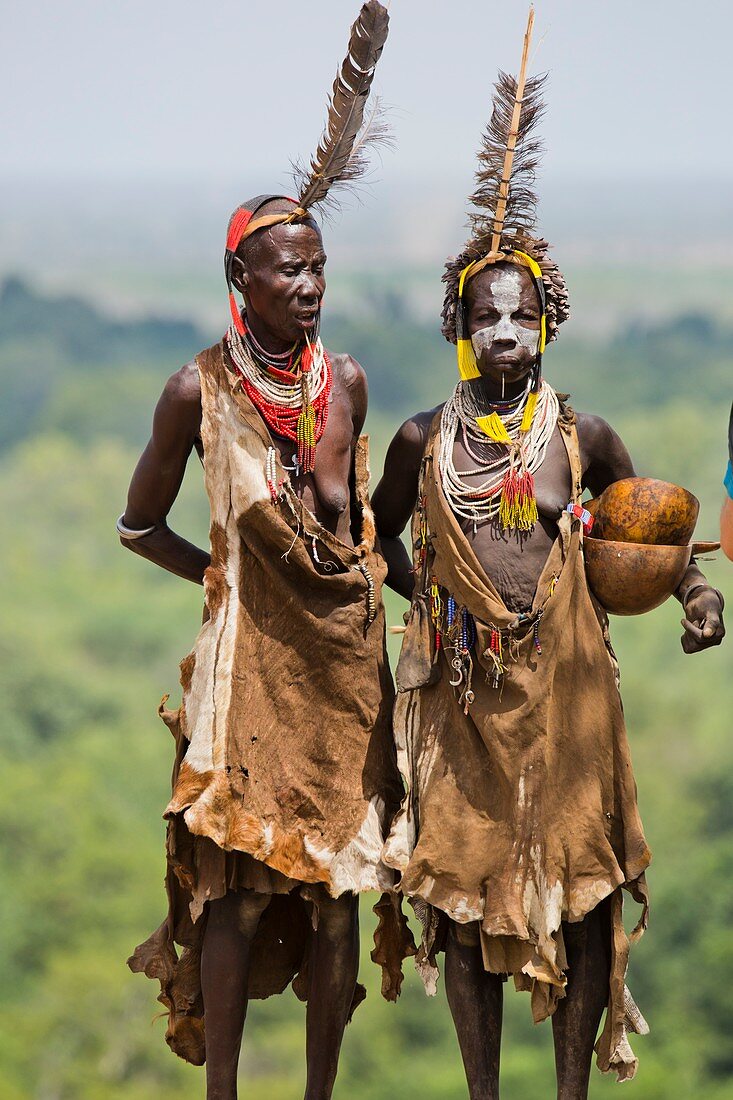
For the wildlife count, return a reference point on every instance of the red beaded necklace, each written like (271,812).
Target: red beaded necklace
(283,397)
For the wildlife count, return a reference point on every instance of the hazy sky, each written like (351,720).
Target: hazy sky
(152,88)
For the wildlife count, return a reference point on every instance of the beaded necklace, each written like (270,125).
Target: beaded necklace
(506,450)
(292,402)
(282,360)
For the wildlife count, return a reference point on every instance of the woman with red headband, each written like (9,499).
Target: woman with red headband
(285,772)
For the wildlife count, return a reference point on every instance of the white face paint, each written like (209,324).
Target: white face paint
(507,291)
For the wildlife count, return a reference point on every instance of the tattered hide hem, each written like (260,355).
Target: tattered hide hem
(280,950)
(546,979)
(199,871)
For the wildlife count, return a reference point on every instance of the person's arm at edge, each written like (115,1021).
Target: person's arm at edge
(726,527)
(726,515)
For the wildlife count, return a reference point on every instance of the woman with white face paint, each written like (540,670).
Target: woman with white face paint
(526,829)
(511,309)
(520,825)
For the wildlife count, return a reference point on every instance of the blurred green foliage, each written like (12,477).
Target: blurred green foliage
(91,638)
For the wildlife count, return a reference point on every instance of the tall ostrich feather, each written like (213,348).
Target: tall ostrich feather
(504,199)
(342,154)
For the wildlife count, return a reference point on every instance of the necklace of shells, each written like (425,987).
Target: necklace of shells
(506,456)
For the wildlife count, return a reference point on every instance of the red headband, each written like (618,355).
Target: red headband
(242,226)
(237,226)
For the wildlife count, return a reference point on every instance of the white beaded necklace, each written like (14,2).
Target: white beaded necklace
(284,394)
(481,502)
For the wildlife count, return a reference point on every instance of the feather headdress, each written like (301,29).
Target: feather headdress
(504,216)
(341,157)
(505,204)
(503,226)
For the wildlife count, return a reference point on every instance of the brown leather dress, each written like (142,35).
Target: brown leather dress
(521,810)
(285,773)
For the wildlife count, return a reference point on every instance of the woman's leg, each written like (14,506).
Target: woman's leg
(577,1017)
(334,965)
(476,999)
(231,925)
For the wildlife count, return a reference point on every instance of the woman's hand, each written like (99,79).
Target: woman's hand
(703,621)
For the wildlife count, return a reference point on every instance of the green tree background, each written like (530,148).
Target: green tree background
(91,638)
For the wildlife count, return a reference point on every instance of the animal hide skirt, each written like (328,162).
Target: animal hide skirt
(285,773)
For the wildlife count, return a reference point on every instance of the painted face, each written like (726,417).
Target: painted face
(506,291)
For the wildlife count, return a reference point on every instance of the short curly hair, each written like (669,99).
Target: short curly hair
(557,305)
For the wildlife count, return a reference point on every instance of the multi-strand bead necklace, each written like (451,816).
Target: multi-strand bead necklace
(291,391)
(295,412)
(506,450)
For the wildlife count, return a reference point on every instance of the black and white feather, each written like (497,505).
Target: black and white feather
(351,130)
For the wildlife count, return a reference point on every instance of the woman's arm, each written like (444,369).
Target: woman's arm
(606,460)
(395,498)
(157,480)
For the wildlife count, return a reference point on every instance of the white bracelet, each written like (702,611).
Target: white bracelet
(129,534)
